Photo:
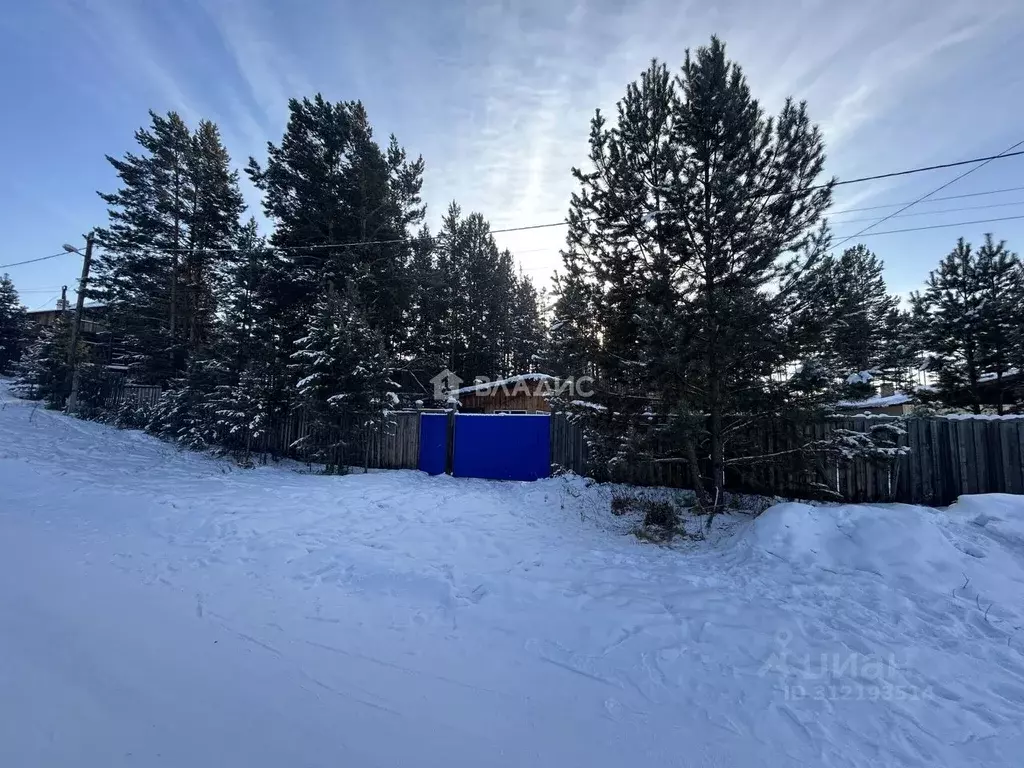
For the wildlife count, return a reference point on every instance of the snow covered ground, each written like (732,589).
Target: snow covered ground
(163,608)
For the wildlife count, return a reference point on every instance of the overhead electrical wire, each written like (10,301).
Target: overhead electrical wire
(977,163)
(931,200)
(934,226)
(1008,152)
(33,261)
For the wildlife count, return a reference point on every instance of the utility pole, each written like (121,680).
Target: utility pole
(63,306)
(76,328)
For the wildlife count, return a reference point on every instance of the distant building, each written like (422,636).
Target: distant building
(888,403)
(93,317)
(527,393)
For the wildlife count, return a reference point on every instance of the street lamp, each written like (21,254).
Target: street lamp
(76,328)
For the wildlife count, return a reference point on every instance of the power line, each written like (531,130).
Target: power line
(1008,152)
(934,226)
(550,224)
(933,199)
(940,210)
(981,160)
(977,162)
(48,304)
(32,261)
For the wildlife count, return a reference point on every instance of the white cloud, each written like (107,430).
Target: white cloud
(498,95)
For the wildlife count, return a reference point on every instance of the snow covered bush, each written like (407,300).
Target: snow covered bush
(185,412)
(42,373)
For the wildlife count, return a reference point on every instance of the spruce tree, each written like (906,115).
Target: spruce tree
(425,350)
(13,325)
(526,337)
(487,319)
(344,376)
(42,371)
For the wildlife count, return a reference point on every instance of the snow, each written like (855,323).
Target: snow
(164,608)
(512,381)
(861,377)
(878,401)
(1010,372)
(589,404)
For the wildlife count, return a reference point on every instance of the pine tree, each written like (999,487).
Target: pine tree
(13,325)
(570,348)
(164,249)
(328,186)
(486,321)
(424,346)
(1001,276)
(693,228)
(966,317)
(899,351)
(852,306)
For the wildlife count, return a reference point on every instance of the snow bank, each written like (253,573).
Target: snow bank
(974,550)
(891,541)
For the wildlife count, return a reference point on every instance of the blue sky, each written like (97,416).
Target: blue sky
(497,96)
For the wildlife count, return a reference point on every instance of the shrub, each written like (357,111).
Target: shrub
(660,514)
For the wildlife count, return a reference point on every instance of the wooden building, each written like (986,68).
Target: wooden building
(527,393)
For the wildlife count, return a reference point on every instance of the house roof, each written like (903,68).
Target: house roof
(511,381)
(71,308)
(877,401)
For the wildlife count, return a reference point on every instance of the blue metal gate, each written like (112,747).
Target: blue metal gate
(433,443)
(502,446)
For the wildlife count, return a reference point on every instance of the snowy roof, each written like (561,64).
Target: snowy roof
(877,401)
(992,377)
(509,382)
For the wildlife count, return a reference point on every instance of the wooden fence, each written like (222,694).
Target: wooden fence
(948,456)
(393,444)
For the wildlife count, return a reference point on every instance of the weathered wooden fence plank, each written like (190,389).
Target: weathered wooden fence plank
(948,457)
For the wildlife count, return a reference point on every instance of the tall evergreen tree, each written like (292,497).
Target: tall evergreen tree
(966,317)
(338,202)
(1001,289)
(13,325)
(42,371)
(344,377)
(526,337)
(171,225)
(488,323)
(693,228)
(899,351)
(852,306)
(425,350)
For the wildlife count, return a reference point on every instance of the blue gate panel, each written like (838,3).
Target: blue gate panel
(433,443)
(502,446)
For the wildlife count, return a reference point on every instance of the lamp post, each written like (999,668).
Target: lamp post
(76,327)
